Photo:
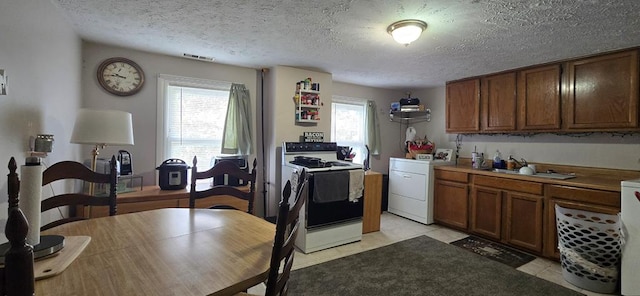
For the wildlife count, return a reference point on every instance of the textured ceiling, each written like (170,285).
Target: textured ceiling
(348,38)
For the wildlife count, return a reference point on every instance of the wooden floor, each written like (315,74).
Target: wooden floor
(395,228)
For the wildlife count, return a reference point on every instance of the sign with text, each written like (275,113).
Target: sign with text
(313,136)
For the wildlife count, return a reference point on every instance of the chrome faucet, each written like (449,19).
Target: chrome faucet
(521,163)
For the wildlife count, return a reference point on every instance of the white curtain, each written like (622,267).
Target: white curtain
(373,129)
(237,127)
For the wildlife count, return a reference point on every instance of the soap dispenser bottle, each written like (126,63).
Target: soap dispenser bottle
(497,160)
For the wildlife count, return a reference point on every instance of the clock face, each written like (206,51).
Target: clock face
(120,76)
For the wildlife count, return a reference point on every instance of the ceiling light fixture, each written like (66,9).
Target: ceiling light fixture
(406,31)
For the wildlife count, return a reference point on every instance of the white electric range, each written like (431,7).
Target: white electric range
(323,224)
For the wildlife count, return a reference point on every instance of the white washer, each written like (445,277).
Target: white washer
(630,208)
(411,188)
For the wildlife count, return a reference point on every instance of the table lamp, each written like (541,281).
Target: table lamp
(101,128)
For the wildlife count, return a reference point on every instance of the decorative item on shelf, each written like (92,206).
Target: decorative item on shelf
(409,102)
(307,102)
(419,146)
(443,154)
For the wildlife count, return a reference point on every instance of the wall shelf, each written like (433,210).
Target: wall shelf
(410,116)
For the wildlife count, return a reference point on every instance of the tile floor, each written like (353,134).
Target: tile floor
(395,228)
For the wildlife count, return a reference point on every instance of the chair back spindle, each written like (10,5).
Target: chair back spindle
(68,170)
(286,232)
(18,277)
(219,170)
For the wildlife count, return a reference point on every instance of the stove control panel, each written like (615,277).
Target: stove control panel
(292,147)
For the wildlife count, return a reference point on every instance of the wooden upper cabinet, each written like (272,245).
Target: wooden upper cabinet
(463,106)
(498,99)
(602,92)
(539,98)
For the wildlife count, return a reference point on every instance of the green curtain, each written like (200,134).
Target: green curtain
(237,137)
(373,129)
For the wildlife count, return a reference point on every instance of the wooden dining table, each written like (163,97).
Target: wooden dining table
(173,251)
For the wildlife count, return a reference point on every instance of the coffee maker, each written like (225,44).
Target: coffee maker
(124,157)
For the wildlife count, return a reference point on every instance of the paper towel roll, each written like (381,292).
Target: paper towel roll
(30,195)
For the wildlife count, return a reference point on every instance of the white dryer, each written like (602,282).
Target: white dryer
(411,188)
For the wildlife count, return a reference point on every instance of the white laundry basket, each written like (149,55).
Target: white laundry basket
(590,249)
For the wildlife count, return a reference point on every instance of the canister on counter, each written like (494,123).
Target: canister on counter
(511,164)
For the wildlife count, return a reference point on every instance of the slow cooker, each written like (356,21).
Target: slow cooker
(172,174)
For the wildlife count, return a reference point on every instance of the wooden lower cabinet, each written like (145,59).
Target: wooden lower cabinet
(486,211)
(599,201)
(509,211)
(523,221)
(451,202)
(510,217)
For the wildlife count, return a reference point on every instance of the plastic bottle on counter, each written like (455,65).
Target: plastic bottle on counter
(497,159)
(474,157)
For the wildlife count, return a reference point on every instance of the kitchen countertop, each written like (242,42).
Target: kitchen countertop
(591,178)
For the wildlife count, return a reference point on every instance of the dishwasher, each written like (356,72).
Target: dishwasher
(411,188)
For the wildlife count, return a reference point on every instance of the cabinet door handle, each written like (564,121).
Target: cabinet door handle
(406,176)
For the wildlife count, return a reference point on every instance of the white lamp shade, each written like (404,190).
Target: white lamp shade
(406,34)
(103,127)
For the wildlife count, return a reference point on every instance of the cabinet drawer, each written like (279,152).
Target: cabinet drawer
(408,184)
(451,176)
(508,184)
(599,197)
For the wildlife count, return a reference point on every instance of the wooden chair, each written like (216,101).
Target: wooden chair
(232,170)
(286,232)
(16,276)
(75,170)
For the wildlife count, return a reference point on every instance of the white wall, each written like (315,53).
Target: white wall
(280,85)
(42,57)
(599,150)
(389,131)
(143,104)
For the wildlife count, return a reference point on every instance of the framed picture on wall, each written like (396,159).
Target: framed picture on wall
(443,154)
(3,82)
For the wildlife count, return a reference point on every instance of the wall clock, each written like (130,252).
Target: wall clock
(120,76)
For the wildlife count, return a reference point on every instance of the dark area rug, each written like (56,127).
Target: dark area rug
(418,266)
(494,251)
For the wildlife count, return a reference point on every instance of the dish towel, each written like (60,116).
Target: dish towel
(356,184)
(330,186)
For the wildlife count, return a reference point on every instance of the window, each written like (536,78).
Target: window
(348,125)
(191,116)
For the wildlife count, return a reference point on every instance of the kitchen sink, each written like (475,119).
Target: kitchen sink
(540,174)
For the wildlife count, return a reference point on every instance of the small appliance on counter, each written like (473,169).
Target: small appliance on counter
(240,160)
(124,157)
(172,174)
(103,165)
